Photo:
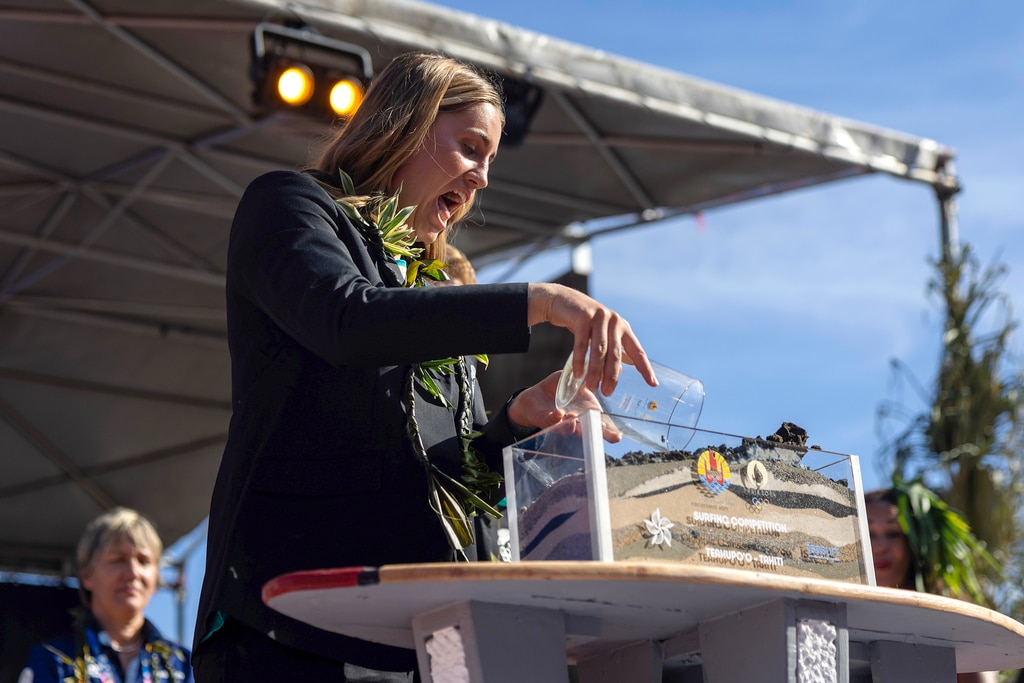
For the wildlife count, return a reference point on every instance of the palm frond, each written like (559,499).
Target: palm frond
(945,551)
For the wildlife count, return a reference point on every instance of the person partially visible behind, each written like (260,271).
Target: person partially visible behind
(889,548)
(458,267)
(110,640)
(893,557)
(491,543)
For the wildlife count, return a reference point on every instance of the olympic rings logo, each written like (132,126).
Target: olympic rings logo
(759,503)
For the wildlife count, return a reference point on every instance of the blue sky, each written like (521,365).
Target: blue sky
(792,308)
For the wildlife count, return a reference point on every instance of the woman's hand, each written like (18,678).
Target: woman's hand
(597,329)
(535,407)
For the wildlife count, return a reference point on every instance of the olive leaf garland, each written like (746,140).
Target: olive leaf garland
(455,502)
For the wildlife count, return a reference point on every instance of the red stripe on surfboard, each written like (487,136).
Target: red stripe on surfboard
(319,579)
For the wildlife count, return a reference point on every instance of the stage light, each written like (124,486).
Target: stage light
(346,96)
(296,69)
(295,85)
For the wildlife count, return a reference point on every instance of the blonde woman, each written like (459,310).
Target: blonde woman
(351,396)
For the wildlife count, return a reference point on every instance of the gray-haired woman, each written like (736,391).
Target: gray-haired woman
(111,640)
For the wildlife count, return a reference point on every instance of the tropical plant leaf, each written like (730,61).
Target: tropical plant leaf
(395,228)
(380,217)
(467,497)
(347,186)
(428,383)
(386,211)
(944,550)
(454,521)
(351,212)
(434,270)
(444,365)
(412,274)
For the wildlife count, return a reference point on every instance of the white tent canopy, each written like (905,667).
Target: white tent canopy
(127,134)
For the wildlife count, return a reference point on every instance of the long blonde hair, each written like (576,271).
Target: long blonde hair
(392,122)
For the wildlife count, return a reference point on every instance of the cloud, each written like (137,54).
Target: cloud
(849,261)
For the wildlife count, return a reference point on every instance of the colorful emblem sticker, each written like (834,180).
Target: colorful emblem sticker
(821,553)
(713,472)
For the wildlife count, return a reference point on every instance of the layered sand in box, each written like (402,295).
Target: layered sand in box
(792,521)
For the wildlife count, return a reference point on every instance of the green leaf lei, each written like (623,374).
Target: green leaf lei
(455,501)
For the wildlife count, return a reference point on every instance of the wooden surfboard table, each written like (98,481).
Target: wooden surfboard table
(640,622)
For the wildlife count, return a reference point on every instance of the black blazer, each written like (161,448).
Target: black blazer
(318,470)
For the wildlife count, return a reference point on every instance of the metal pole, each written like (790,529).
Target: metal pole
(946,194)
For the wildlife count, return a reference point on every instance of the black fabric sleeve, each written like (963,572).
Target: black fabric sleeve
(295,256)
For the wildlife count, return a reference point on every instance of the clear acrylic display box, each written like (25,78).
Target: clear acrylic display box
(719,500)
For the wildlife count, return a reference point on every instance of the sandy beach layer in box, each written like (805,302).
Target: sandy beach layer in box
(791,521)
(796,522)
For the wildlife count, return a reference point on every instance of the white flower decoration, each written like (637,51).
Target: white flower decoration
(659,528)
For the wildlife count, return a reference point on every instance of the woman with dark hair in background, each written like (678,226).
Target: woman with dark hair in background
(889,549)
(894,559)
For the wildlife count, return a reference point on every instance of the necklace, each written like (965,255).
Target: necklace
(126,649)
